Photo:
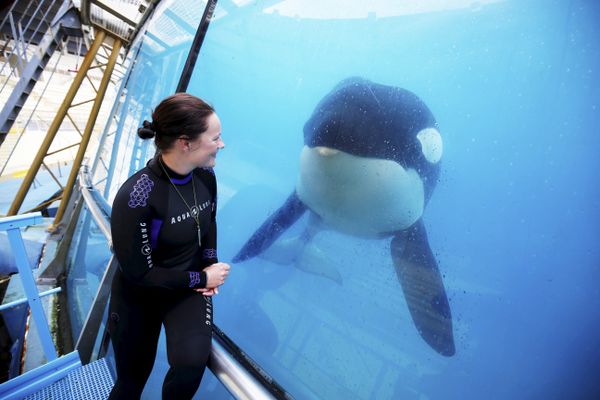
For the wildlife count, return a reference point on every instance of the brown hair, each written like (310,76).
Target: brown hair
(178,115)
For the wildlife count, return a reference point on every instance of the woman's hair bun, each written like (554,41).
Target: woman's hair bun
(147,130)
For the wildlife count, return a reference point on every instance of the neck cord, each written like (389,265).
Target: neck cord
(196,215)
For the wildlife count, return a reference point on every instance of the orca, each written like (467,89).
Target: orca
(369,165)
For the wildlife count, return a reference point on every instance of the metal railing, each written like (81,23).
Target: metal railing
(56,367)
(242,382)
(22,36)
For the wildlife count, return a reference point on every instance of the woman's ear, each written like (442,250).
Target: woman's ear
(183,144)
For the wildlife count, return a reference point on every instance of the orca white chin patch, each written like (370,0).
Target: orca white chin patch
(431,144)
(326,151)
(357,195)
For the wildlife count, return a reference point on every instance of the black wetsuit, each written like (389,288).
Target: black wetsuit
(156,243)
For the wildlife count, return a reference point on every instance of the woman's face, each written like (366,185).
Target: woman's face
(203,150)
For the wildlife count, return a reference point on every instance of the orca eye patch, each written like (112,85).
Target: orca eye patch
(431,144)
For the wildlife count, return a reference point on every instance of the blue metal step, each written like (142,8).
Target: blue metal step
(89,382)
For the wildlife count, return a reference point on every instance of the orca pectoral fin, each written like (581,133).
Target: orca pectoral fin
(423,288)
(272,228)
(304,256)
(303,253)
(314,261)
(285,251)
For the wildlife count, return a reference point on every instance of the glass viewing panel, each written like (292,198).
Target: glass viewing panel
(161,55)
(88,258)
(322,302)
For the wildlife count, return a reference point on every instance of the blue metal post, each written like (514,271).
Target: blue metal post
(81,251)
(111,115)
(122,110)
(137,155)
(115,150)
(12,225)
(144,154)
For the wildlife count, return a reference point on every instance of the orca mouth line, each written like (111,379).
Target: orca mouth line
(326,151)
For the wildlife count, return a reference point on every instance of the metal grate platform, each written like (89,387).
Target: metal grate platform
(90,382)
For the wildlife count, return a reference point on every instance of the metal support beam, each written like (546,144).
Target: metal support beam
(55,125)
(190,62)
(87,133)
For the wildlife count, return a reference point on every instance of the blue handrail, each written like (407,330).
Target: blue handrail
(11,225)
(56,368)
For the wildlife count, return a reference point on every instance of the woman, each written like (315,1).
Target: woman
(165,238)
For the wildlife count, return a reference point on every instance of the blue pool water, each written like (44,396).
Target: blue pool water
(513,221)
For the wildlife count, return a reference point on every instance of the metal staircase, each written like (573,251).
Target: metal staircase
(32,50)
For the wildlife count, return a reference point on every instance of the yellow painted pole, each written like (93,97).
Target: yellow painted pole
(87,133)
(55,125)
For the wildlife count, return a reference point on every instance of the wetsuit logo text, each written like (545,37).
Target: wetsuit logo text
(146,249)
(208,320)
(195,211)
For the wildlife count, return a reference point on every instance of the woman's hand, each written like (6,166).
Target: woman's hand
(208,292)
(216,275)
